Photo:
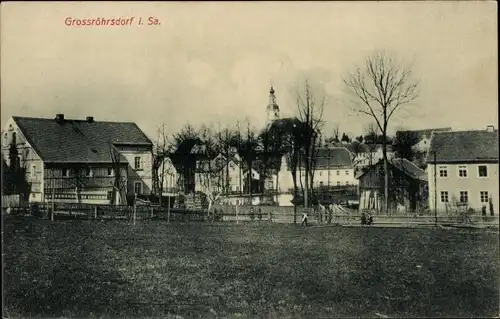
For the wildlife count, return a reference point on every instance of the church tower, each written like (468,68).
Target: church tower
(273,110)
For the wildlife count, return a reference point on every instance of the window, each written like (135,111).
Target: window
(138,187)
(65,172)
(14,138)
(444,196)
(462,171)
(484,196)
(110,171)
(110,196)
(347,182)
(321,184)
(464,197)
(443,171)
(338,183)
(320,173)
(338,172)
(483,170)
(33,170)
(87,171)
(347,172)
(137,162)
(237,188)
(5,138)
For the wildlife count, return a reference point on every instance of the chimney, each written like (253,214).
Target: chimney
(90,119)
(59,118)
(490,128)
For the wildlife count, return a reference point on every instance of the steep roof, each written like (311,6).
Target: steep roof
(356,147)
(463,146)
(405,166)
(409,168)
(285,125)
(333,157)
(78,141)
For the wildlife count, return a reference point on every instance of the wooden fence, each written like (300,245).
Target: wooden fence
(14,200)
(236,214)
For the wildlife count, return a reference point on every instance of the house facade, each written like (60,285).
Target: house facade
(170,178)
(462,171)
(80,161)
(333,167)
(221,175)
(364,155)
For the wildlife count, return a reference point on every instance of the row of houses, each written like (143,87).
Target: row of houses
(99,162)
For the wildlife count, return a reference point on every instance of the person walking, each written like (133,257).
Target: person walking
(304,218)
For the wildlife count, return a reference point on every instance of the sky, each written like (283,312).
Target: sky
(214,62)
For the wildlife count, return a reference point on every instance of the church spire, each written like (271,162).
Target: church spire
(273,110)
(272,97)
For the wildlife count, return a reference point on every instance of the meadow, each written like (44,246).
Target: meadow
(78,268)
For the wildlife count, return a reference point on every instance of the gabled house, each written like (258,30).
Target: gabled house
(80,161)
(462,170)
(407,191)
(170,178)
(364,155)
(332,167)
(424,137)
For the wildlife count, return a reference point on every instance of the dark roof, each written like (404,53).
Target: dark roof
(426,133)
(409,168)
(333,157)
(404,165)
(356,147)
(463,146)
(78,141)
(285,124)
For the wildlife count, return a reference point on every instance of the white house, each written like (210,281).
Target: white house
(223,175)
(170,178)
(463,170)
(364,155)
(333,167)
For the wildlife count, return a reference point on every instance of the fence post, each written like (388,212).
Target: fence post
(236,213)
(95,212)
(168,209)
(135,207)
(152,211)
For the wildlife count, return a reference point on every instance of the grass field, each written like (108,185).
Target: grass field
(154,269)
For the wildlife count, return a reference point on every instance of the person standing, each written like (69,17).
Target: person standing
(304,218)
(363,219)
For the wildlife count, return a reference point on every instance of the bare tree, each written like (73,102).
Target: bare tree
(382,86)
(119,184)
(209,170)
(162,150)
(336,133)
(356,148)
(310,113)
(183,159)
(224,139)
(249,148)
